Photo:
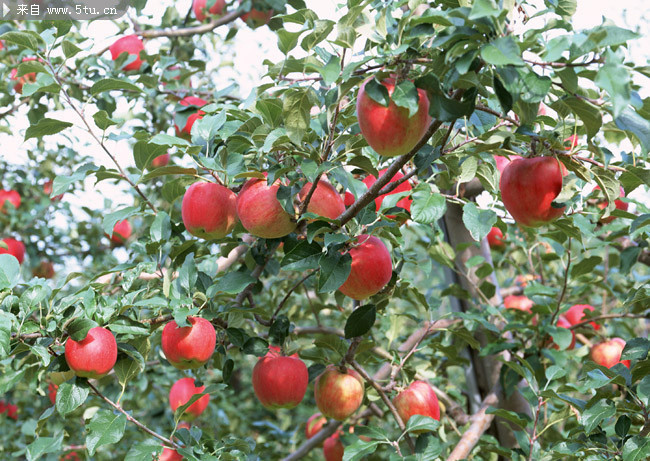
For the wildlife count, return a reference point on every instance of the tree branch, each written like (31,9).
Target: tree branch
(194,30)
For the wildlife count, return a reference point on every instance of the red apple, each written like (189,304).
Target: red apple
(404,202)
(193,102)
(200,8)
(576,313)
(256,18)
(29,77)
(189,347)
(15,248)
(44,270)
(47,190)
(209,210)
(371,270)
(571,142)
(71,456)
(121,232)
(542,109)
(325,201)
(528,188)
(260,211)
(620,205)
(11,410)
(161,160)
(130,44)
(94,356)
(333,449)
(280,381)
(51,392)
(520,303)
(314,424)
(10,196)
(181,393)
(495,239)
(608,353)
(349,199)
(417,399)
(503,162)
(169,454)
(338,394)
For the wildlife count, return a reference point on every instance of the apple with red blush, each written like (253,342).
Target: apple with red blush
(15,248)
(204,8)
(404,202)
(121,232)
(495,239)
(209,210)
(418,398)
(94,356)
(576,313)
(280,381)
(314,425)
(160,161)
(188,114)
(131,45)
(256,18)
(189,347)
(325,201)
(338,392)
(608,353)
(260,212)
(9,198)
(182,391)
(520,303)
(371,269)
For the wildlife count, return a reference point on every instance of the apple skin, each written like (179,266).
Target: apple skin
(29,77)
(161,160)
(121,232)
(503,162)
(389,130)
(52,389)
(44,270)
(338,395)
(130,44)
(620,205)
(186,132)
(47,190)
(71,456)
(15,248)
(189,347)
(521,303)
(11,410)
(200,6)
(209,210)
(256,18)
(417,399)
(325,201)
(260,211)
(372,268)
(94,356)
(333,449)
(404,202)
(280,381)
(576,313)
(181,393)
(11,196)
(495,239)
(349,199)
(529,186)
(608,353)
(169,454)
(571,142)
(314,424)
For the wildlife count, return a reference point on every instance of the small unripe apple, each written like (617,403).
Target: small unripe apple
(256,18)
(389,130)
(495,239)
(371,270)
(189,347)
(94,356)
(528,188)
(29,77)
(15,248)
(169,454)
(333,449)
(51,392)
(9,197)
(44,270)
(620,205)
(417,399)
(404,202)
(189,101)
(181,393)
(121,232)
(608,353)
(130,44)
(325,201)
(260,212)
(47,190)
(338,394)
(576,313)
(280,381)
(209,210)
(161,160)
(521,303)
(314,424)
(200,8)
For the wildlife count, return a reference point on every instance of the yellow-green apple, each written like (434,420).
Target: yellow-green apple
(132,45)
(495,239)
(389,130)
(417,399)
(325,201)
(333,449)
(202,10)
(121,232)
(404,202)
(521,303)
(15,248)
(161,160)
(51,392)
(47,190)
(608,353)
(260,211)
(187,117)
(9,197)
(528,188)
(280,381)
(181,393)
(169,454)
(371,268)
(256,18)
(620,205)
(44,270)
(189,347)
(209,210)
(338,393)
(94,356)
(576,313)
(29,77)
(314,424)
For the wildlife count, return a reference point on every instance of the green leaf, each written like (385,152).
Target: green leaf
(144,451)
(595,414)
(279,330)
(300,255)
(6,319)
(168,140)
(161,229)
(586,266)
(360,321)
(377,92)
(71,395)
(25,39)
(483,9)
(44,445)
(566,8)
(27,67)
(555,372)
(478,222)
(46,127)
(505,98)
(614,77)
(406,95)
(78,329)
(109,84)
(636,448)
(233,282)
(320,31)
(102,120)
(520,419)
(112,218)
(296,108)
(428,206)
(69,48)
(255,346)
(561,336)
(287,41)
(643,390)
(503,51)
(334,271)
(9,271)
(588,113)
(360,449)
(623,425)
(422,423)
(633,123)
(104,428)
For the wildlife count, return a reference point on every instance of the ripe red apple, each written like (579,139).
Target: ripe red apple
(314,424)
(495,239)
(571,142)
(389,130)
(620,205)
(256,18)
(189,347)
(121,232)
(47,190)
(576,313)
(51,392)
(608,353)
(94,356)
(349,199)
(15,248)
(200,8)
(528,188)
(417,399)
(181,393)
(161,160)
(194,102)
(280,381)
(10,196)
(371,270)
(338,394)
(11,410)
(520,303)
(209,210)
(333,449)
(325,201)
(44,270)
(130,44)
(169,454)
(404,202)
(29,77)
(260,211)
(71,456)
(502,162)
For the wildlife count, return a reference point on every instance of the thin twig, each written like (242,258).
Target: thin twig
(291,290)
(194,30)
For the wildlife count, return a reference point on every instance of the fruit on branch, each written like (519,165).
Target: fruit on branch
(48,187)
(389,130)
(51,392)
(325,201)
(169,454)
(15,248)
(94,356)
(571,142)
(71,456)
(608,353)
(11,410)
(333,449)
(132,45)
(620,205)
(187,117)
(260,212)
(29,77)
(161,160)
(503,162)
(189,347)
(338,393)
(576,313)
(181,393)
(280,381)
(371,270)
(495,239)
(256,18)
(314,424)
(520,303)
(349,199)
(417,399)
(404,202)
(200,8)
(209,210)
(9,197)
(121,232)
(528,188)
